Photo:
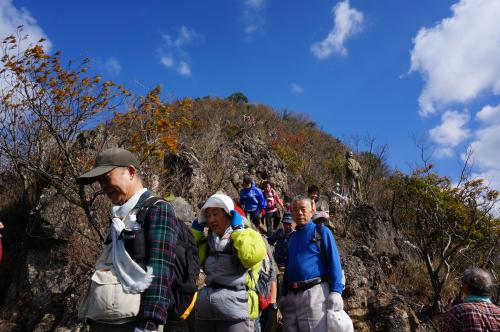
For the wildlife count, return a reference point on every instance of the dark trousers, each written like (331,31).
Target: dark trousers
(254,217)
(269,319)
(272,221)
(188,325)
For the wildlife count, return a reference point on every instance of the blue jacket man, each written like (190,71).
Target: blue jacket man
(312,283)
(252,200)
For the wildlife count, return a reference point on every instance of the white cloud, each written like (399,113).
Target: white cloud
(167,61)
(489,114)
(486,143)
(184,69)
(347,22)
(253,16)
(297,89)
(249,29)
(459,57)
(443,153)
(485,147)
(254,3)
(452,130)
(173,54)
(112,66)
(186,35)
(12,17)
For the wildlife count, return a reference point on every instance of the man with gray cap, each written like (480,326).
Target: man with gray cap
(137,281)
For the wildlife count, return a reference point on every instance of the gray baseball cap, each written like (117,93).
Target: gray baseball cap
(106,161)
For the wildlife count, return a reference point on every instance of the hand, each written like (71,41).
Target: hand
(335,302)
(196,225)
(236,220)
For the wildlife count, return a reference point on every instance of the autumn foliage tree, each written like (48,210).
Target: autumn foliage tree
(443,221)
(151,127)
(44,107)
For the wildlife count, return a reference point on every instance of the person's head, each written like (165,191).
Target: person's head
(477,282)
(266,185)
(117,171)
(288,223)
(349,154)
(313,192)
(320,217)
(216,213)
(302,210)
(247,182)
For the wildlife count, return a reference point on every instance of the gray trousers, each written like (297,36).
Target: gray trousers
(305,310)
(225,326)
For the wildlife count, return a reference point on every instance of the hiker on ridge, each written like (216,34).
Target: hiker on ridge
(353,176)
(279,239)
(312,283)
(273,201)
(476,313)
(231,256)
(140,301)
(253,201)
(313,194)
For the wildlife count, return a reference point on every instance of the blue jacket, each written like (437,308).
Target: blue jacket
(306,261)
(252,198)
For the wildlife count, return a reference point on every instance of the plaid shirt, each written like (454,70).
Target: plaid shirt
(472,317)
(162,237)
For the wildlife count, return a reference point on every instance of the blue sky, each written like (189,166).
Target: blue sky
(389,69)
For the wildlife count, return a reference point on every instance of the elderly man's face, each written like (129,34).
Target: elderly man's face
(117,184)
(301,212)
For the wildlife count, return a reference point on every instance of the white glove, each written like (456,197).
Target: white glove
(335,302)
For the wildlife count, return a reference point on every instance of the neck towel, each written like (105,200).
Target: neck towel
(472,298)
(132,276)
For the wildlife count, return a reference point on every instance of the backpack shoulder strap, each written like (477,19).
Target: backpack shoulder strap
(318,239)
(143,210)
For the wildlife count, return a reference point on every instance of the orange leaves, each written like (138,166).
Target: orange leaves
(152,126)
(51,93)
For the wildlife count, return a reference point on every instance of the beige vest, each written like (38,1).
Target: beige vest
(105,300)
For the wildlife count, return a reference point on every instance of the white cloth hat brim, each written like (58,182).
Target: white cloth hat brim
(219,201)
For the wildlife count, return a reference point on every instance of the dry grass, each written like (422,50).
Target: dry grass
(412,280)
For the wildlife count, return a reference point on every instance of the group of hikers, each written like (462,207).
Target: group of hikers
(146,278)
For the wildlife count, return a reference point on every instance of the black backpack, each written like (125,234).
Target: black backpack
(186,267)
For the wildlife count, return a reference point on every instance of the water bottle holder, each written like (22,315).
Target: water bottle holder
(134,242)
